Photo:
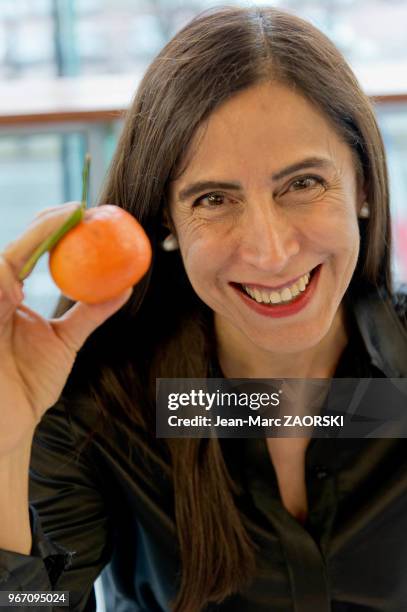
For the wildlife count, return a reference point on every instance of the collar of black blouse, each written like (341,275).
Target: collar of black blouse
(383,333)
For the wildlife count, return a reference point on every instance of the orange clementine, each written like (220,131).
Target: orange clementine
(106,253)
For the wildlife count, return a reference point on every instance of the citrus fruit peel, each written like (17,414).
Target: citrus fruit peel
(97,253)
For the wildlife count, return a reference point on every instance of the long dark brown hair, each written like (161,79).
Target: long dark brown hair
(165,330)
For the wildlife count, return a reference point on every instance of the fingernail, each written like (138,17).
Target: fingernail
(18,292)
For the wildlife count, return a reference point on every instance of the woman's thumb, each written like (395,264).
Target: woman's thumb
(77,324)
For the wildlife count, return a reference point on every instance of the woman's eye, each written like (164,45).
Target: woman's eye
(306,182)
(213,200)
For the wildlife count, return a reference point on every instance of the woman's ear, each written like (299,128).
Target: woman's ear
(167,221)
(362,205)
(170,242)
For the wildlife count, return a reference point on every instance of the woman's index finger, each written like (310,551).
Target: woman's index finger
(23,252)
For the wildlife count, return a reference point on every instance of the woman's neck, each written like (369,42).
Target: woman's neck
(240,359)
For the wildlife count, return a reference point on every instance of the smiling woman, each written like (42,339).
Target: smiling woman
(254,162)
(277,227)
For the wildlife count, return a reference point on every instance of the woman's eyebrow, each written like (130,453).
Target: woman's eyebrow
(309,162)
(199,186)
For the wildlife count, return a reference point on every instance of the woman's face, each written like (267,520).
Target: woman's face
(282,205)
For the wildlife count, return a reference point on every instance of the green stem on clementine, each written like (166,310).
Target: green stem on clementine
(85,180)
(56,236)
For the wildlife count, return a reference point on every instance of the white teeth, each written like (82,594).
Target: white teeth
(294,290)
(285,295)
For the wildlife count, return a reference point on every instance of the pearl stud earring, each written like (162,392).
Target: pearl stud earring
(170,243)
(364,212)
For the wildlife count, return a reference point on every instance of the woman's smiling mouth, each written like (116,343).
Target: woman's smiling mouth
(275,296)
(283,301)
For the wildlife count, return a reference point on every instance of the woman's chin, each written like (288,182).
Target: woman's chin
(296,340)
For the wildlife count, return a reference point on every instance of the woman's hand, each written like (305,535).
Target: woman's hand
(37,354)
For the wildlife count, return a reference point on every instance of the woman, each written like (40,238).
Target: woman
(253,160)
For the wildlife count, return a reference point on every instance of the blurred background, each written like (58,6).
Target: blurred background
(69,69)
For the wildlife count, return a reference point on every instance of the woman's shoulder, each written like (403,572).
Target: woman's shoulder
(399,301)
(381,318)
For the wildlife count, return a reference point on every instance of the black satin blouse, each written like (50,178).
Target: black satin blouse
(92,514)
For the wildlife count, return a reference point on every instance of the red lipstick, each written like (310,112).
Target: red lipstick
(282,310)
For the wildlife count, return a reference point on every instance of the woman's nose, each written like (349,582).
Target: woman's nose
(268,238)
